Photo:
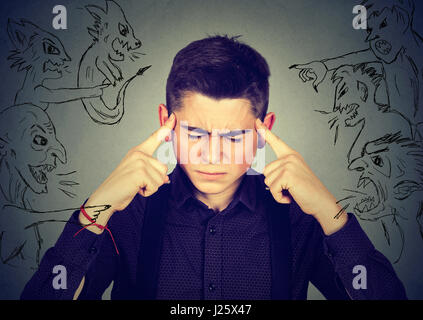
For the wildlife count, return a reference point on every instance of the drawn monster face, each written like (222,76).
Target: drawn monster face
(38,49)
(354,93)
(391,172)
(113,31)
(385,32)
(28,146)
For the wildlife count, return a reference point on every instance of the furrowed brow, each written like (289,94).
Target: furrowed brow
(198,130)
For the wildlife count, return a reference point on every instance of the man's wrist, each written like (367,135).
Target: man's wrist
(332,218)
(95,213)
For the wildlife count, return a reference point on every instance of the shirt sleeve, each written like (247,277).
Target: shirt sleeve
(64,265)
(349,266)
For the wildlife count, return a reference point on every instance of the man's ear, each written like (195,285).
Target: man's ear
(163,114)
(268,121)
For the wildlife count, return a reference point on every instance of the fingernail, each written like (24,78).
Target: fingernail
(167,138)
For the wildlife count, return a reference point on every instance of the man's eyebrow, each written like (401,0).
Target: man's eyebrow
(229,133)
(235,132)
(189,128)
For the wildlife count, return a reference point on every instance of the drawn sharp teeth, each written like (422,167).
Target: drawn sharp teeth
(357,208)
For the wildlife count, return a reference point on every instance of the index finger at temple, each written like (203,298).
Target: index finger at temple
(278,146)
(150,145)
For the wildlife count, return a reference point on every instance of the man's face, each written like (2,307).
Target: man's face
(215,141)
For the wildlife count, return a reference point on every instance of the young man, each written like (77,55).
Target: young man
(212,230)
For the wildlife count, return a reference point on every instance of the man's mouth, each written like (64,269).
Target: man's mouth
(40,172)
(210,175)
(383,46)
(370,201)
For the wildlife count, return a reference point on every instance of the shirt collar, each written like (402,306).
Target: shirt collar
(182,189)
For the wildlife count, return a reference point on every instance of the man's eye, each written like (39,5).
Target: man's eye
(194,137)
(39,140)
(234,139)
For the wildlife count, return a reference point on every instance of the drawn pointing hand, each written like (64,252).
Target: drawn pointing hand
(315,70)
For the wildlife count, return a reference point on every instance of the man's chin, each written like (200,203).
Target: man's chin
(210,187)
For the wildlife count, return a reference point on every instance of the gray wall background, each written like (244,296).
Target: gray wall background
(284,32)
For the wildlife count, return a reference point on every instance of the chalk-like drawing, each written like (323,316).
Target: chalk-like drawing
(397,47)
(355,117)
(29,154)
(391,171)
(42,56)
(114,43)
(21,241)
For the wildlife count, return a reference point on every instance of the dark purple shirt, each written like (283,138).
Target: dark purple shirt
(215,255)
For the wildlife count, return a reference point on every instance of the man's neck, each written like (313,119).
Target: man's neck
(218,201)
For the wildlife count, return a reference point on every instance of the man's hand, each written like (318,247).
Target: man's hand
(290,174)
(138,172)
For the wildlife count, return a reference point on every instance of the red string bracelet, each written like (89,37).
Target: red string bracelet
(93,223)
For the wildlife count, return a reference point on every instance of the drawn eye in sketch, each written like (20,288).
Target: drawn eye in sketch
(394,44)
(390,186)
(391,171)
(30,152)
(105,62)
(356,117)
(42,56)
(384,32)
(37,50)
(354,93)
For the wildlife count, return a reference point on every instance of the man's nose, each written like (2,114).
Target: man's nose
(58,151)
(215,149)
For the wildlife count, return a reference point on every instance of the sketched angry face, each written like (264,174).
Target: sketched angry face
(354,92)
(29,147)
(37,49)
(391,171)
(347,104)
(385,31)
(113,31)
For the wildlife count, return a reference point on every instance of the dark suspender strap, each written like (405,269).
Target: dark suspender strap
(151,244)
(280,243)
